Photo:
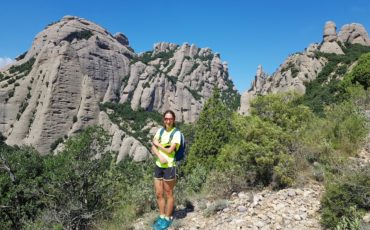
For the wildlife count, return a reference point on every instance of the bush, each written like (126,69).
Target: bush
(212,131)
(78,180)
(216,206)
(258,149)
(224,183)
(346,198)
(72,190)
(353,222)
(284,171)
(131,194)
(22,186)
(283,110)
(79,35)
(23,68)
(132,121)
(334,137)
(196,179)
(348,127)
(327,88)
(361,72)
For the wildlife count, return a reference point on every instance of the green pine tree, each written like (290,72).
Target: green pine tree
(211,132)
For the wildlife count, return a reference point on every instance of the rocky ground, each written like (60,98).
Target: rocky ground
(292,208)
(285,209)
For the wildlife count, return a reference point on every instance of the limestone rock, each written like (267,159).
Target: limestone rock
(329,44)
(354,33)
(74,65)
(303,67)
(260,81)
(297,69)
(330,32)
(331,47)
(178,77)
(121,38)
(125,145)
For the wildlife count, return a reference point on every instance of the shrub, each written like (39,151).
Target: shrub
(79,180)
(346,198)
(172,79)
(353,222)
(134,121)
(283,110)
(24,68)
(196,178)
(131,193)
(326,89)
(334,137)
(216,206)
(205,57)
(230,96)
(22,186)
(11,81)
(79,35)
(284,171)
(361,72)
(348,127)
(258,149)
(223,183)
(20,57)
(212,131)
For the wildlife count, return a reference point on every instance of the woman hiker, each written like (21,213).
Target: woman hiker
(163,148)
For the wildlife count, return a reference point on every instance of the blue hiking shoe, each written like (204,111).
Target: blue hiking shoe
(158,223)
(162,224)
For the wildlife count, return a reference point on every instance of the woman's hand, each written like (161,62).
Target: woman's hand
(162,159)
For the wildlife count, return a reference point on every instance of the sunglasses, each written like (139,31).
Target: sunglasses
(168,119)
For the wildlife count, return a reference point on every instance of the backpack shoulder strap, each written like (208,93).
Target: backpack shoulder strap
(160,134)
(172,134)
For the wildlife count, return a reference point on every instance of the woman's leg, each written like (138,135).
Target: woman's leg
(158,185)
(168,189)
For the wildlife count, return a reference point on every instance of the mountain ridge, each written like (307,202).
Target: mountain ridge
(300,68)
(54,89)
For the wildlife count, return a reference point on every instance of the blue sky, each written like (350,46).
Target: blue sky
(245,33)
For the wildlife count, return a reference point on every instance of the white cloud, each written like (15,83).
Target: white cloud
(5,61)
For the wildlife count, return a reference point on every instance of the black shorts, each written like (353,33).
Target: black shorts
(166,174)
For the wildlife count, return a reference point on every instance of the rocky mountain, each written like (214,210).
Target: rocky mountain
(303,67)
(54,90)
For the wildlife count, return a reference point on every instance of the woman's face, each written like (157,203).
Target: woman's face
(168,120)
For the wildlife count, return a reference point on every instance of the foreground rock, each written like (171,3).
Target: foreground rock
(292,208)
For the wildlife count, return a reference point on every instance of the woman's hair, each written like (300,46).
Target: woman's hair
(173,115)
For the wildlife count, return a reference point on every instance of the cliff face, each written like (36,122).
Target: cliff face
(178,77)
(54,90)
(305,66)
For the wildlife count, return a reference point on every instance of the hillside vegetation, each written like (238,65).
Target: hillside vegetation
(288,140)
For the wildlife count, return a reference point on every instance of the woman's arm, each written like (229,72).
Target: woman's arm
(166,150)
(158,154)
